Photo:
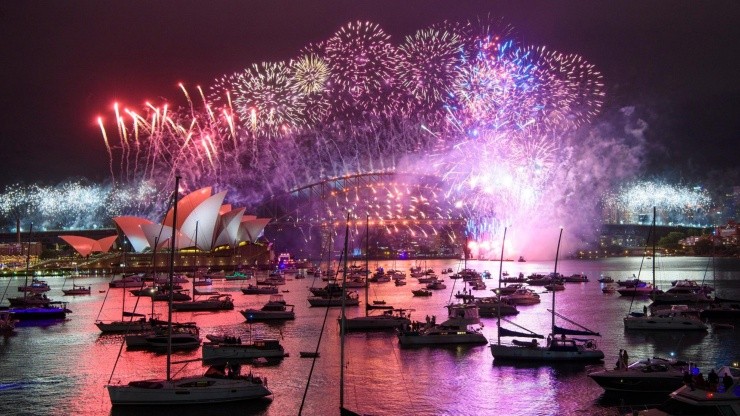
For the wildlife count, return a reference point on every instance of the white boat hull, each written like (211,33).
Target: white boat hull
(188,390)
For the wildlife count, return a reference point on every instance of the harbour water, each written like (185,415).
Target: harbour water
(61,368)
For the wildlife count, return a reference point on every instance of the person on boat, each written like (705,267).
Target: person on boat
(713,380)
(549,339)
(644,310)
(625,359)
(727,381)
(688,380)
(619,360)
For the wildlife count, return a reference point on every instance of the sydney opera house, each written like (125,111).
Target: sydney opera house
(208,232)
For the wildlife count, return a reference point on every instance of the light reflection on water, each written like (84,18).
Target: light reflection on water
(62,367)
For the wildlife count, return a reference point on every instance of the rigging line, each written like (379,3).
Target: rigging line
(123,340)
(639,271)
(403,379)
(316,351)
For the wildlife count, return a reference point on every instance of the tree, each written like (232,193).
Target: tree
(671,240)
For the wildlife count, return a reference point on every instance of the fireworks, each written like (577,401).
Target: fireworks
(497,123)
(675,204)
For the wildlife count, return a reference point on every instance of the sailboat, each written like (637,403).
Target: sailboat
(129,325)
(36,306)
(215,302)
(76,289)
(557,348)
(389,319)
(215,386)
(678,317)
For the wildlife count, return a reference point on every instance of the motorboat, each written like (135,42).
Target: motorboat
(555,286)
(422,292)
(461,327)
(52,310)
(639,290)
(576,278)
(36,286)
(389,319)
(132,325)
(212,303)
(233,349)
(164,295)
(651,375)
(436,285)
(606,279)
(490,307)
(699,397)
(276,309)
(260,290)
(523,296)
(132,280)
(350,299)
(30,300)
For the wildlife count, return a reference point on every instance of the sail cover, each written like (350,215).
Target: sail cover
(509,333)
(566,331)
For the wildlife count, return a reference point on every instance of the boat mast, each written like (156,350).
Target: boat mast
(654,238)
(498,292)
(28,261)
(554,276)
(344,318)
(367,265)
(171,272)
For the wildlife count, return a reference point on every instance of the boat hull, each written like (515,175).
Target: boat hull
(38,313)
(520,353)
(627,381)
(239,351)
(410,340)
(664,324)
(122,326)
(325,302)
(375,323)
(191,390)
(259,315)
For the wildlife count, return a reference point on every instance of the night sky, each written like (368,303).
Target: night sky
(65,62)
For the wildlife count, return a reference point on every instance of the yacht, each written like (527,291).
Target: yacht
(36,286)
(652,375)
(678,317)
(704,399)
(522,296)
(461,327)
(234,349)
(132,280)
(212,303)
(389,319)
(274,310)
(260,290)
(351,299)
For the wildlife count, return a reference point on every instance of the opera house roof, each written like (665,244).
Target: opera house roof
(203,221)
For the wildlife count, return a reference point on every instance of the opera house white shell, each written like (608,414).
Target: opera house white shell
(203,221)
